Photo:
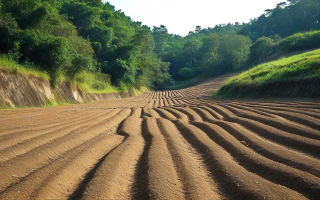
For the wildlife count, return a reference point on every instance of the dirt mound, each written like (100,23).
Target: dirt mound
(178,144)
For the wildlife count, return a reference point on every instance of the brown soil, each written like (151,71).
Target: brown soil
(178,144)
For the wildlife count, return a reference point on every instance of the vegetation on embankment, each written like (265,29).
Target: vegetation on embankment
(85,80)
(12,66)
(296,76)
(29,86)
(25,88)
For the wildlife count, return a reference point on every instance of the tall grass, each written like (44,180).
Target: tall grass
(94,82)
(13,66)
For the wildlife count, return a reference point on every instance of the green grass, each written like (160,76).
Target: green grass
(300,67)
(12,66)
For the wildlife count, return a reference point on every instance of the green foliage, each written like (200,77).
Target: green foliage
(124,49)
(70,38)
(15,52)
(300,41)
(33,18)
(286,19)
(47,51)
(205,51)
(233,51)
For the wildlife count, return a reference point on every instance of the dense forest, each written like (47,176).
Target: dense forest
(66,38)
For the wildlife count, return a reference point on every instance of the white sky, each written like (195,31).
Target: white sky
(182,16)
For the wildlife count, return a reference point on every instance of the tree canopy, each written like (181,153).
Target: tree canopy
(68,37)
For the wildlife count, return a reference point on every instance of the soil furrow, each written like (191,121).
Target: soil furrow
(43,139)
(118,166)
(165,114)
(30,123)
(28,186)
(297,117)
(21,166)
(279,123)
(136,112)
(193,116)
(300,181)
(162,179)
(204,114)
(272,150)
(66,180)
(195,178)
(231,177)
(212,112)
(306,145)
(47,134)
(177,113)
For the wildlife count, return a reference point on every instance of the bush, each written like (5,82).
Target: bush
(260,50)
(186,73)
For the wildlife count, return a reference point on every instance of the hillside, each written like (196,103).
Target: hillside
(65,38)
(295,76)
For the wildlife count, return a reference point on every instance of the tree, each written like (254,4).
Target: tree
(260,50)
(198,29)
(15,52)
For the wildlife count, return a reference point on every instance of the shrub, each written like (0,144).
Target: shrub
(186,73)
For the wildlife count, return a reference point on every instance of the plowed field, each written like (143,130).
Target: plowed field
(163,145)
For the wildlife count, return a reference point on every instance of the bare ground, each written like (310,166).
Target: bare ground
(178,144)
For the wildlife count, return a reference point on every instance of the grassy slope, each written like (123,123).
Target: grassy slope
(296,76)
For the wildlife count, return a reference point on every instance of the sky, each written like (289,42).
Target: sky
(182,16)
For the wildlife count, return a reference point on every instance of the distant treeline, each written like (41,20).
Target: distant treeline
(234,47)
(65,38)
